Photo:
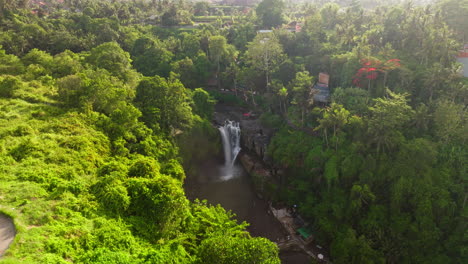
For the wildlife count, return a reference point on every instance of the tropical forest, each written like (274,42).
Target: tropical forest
(233,131)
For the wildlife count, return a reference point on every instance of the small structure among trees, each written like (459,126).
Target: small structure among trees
(322,92)
(462,58)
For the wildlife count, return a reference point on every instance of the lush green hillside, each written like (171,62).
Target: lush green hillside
(90,187)
(90,172)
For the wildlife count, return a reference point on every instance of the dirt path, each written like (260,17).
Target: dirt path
(7,233)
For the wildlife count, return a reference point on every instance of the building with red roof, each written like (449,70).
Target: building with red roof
(462,57)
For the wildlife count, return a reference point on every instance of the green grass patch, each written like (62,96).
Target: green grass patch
(210,18)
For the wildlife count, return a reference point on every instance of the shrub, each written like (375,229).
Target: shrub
(144,167)
(8,85)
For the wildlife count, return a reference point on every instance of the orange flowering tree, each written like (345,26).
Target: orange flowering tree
(371,69)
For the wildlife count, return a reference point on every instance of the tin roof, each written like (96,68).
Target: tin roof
(462,55)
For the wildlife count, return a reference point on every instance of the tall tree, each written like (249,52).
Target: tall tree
(265,53)
(270,13)
(164,103)
(201,8)
(217,48)
(203,103)
(329,13)
(301,87)
(151,57)
(455,15)
(387,117)
(12,4)
(112,57)
(334,117)
(451,121)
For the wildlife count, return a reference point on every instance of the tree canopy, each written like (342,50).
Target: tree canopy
(104,106)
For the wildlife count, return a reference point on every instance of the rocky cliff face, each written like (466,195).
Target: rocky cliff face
(254,137)
(253,156)
(226,112)
(265,185)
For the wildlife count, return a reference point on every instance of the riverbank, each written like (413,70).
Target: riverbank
(238,195)
(266,185)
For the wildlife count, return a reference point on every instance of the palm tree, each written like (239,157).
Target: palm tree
(334,117)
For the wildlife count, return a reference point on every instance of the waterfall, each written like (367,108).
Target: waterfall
(230,134)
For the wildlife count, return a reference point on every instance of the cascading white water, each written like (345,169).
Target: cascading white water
(230,134)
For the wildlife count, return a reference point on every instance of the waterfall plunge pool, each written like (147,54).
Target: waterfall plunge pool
(223,180)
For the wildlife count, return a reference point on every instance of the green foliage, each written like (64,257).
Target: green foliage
(175,16)
(66,63)
(357,249)
(8,85)
(172,253)
(357,186)
(331,170)
(271,120)
(217,47)
(208,221)
(221,53)
(450,120)
(186,71)
(151,58)
(329,14)
(454,13)
(174,169)
(383,182)
(356,100)
(300,87)
(226,98)
(105,256)
(190,44)
(203,103)
(10,64)
(144,167)
(334,118)
(270,13)
(69,89)
(94,89)
(164,103)
(201,8)
(290,148)
(160,200)
(387,115)
(23,150)
(122,122)
(241,33)
(265,54)
(86,181)
(38,57)
(198,143)
(238,250)
(361,196)
(202,67)
(113,58)
(111,193)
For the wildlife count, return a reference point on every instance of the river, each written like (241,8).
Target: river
(236,193)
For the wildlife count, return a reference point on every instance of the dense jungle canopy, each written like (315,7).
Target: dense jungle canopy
(98,100)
